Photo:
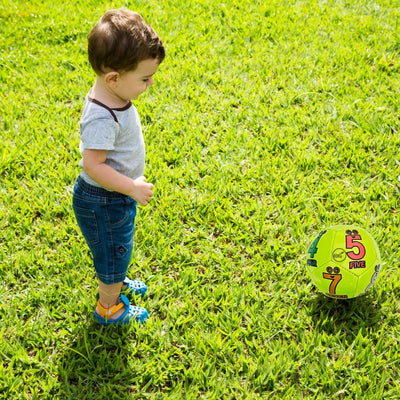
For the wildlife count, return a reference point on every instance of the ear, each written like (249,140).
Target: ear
(111,79)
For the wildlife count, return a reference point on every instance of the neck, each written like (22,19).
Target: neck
(103,93)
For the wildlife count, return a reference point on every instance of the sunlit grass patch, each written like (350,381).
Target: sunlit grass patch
(268,121)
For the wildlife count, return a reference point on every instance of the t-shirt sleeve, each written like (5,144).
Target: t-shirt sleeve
(99,134)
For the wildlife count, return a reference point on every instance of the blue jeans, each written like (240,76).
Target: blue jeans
(107,222)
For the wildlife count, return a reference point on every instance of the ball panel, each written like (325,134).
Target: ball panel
(368,279)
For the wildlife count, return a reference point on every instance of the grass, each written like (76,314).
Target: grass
(268,121)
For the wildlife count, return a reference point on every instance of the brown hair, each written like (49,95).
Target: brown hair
(122,39)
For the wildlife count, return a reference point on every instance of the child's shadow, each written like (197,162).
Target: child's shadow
(345,316)
(94,364)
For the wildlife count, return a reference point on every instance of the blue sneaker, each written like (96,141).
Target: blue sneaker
(132,313)
(137,288)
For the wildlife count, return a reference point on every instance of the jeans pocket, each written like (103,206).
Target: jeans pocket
(87,222)
(121,212)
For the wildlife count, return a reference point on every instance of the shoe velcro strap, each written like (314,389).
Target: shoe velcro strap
(108,312)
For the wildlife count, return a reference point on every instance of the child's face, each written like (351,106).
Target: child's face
(132,84)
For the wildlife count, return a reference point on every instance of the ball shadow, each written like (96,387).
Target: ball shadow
(347,316)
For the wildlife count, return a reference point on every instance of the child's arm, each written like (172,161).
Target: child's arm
(108,177)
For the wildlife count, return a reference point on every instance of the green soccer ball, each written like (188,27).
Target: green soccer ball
(343,261)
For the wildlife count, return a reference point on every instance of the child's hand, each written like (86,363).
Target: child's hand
(142,191)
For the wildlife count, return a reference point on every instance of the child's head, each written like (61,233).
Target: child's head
(121,40)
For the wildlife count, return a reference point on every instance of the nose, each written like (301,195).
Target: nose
(150,82)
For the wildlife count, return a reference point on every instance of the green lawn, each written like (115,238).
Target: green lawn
(269,121)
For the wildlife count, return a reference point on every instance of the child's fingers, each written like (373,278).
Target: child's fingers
(143,179)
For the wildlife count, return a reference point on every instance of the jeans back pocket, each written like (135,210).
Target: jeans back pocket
(87,222)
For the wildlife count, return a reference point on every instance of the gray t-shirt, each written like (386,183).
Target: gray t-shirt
(117,130)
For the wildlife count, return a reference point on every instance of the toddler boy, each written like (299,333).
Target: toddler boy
(124,52)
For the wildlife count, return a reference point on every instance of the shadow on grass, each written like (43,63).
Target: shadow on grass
(94,363)
(345,316)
